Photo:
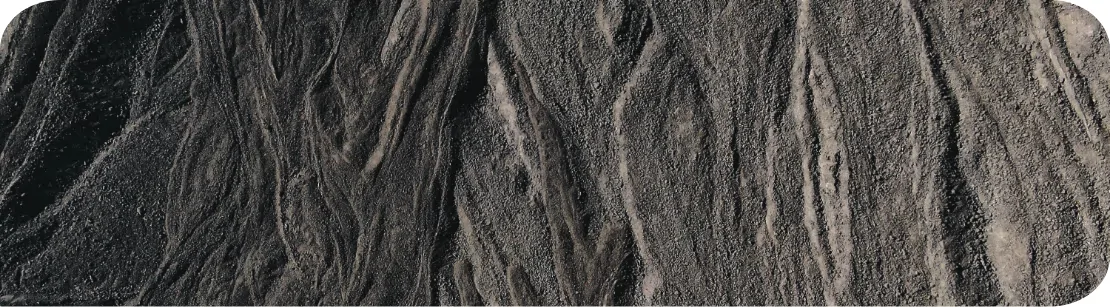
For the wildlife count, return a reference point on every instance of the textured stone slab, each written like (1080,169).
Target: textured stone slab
(848,152)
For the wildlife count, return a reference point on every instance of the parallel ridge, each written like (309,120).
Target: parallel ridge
(587,152)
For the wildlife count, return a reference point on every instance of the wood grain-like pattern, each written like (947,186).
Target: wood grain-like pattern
(525,152)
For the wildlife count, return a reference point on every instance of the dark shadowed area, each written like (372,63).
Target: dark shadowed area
(579,152)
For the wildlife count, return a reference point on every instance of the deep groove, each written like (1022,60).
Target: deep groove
(625,286)
(448,224)
(1071,70)
(962,215)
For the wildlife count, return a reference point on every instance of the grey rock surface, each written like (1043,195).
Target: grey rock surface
(580,152)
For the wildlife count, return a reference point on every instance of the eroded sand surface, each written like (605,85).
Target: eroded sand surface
(848,152)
